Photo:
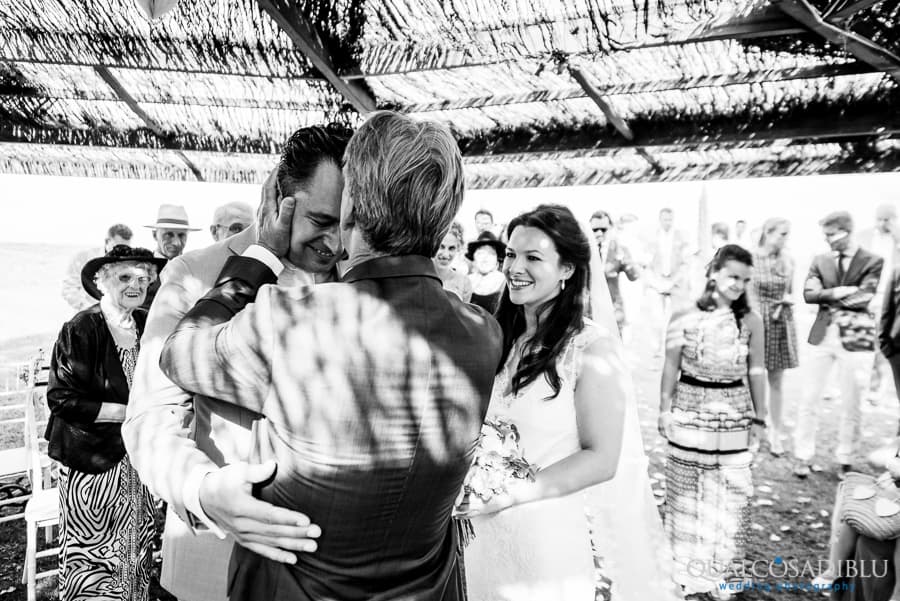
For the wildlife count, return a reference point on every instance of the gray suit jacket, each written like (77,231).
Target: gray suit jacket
(863,271)
(374,392)
(172,436)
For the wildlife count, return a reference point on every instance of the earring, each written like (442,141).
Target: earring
(562,284)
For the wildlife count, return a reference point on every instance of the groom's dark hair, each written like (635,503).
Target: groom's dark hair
(306,149)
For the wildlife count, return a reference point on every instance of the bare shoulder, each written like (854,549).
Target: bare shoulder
(682,314)
(753,320)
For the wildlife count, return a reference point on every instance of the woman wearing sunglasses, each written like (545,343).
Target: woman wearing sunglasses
(106,514)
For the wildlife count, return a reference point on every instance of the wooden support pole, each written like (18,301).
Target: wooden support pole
(123,94)
(305,38)
(862,48)
(611,116)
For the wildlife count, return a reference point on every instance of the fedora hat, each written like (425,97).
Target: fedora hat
(485,239)
(172,217)
(119,253)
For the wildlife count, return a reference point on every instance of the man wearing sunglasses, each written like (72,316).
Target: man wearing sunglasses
(615,259)
(842,282)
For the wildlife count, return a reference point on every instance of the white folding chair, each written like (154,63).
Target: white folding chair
(42,509)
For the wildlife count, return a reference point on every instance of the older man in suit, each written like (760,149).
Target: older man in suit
(374,390)
(174,438)
(844,279)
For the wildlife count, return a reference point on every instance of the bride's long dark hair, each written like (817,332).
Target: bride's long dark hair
(559,318)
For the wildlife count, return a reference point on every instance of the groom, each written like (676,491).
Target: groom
(374,390)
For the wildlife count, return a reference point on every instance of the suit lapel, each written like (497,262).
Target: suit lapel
(855,267)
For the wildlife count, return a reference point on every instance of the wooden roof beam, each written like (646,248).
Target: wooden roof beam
(862,48)
(637,87)
(72,49)
(307,40)
(129,100)
(766,23)
(611,116)
(842,14)
(825,128)
(769,167)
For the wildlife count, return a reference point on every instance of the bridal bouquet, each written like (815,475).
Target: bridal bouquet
(498,462)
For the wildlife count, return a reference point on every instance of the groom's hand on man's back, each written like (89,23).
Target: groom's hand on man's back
(226,496)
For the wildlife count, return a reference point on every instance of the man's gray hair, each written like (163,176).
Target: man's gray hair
(405,177)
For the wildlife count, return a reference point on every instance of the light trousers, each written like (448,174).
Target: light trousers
(853,369)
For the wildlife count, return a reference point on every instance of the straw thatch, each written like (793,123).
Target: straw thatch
(690,88)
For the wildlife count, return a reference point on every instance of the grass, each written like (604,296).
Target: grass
(795,525)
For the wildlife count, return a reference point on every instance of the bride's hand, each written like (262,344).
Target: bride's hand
(474,506)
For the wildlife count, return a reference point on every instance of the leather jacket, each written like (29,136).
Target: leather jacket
(85,371)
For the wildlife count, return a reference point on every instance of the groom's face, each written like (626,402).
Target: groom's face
(315,238)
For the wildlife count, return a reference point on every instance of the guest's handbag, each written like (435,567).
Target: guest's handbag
(871,507)
(856,329)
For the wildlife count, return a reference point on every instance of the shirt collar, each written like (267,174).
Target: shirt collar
(848,252)
(392,267)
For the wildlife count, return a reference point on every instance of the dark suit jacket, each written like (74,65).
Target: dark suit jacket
(85,372)
(863,271)
(889,330)
(374,392)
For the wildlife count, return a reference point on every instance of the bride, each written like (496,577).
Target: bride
(564,384)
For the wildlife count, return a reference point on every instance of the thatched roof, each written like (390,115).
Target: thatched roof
(538,93)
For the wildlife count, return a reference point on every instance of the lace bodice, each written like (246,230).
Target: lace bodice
(547,428)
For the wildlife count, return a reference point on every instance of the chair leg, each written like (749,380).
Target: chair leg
(31,561)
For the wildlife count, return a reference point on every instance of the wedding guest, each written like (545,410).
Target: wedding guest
(711,418)
(447,252)
(170,231)
(72,290)
(882,240)
(484,221)
(667,271)
(770,293)
(849,536)
(889,329)
(533,540)
(230,219)
(373,391)
(487,280)
(173,460)
(615,259)
(842,338)
(742,236)
(718,235)
(106,513)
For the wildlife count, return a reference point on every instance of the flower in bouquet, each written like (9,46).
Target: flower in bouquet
(499,462)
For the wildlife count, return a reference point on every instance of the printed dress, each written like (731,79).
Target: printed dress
(708,462)
(106,527)
(769,283)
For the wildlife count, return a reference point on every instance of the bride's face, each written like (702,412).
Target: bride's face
(532,267)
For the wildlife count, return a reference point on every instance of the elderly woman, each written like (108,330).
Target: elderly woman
(106,514)
(487,280)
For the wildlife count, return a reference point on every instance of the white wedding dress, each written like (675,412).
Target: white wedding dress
(541,551)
